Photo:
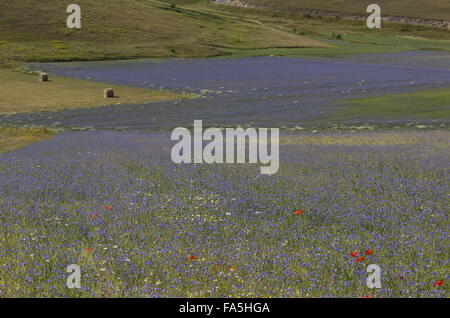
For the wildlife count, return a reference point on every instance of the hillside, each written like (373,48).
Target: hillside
(119,29)
(36,31)
(425,9)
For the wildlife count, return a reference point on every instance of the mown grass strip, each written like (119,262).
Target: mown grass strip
(24,93)
(12,138)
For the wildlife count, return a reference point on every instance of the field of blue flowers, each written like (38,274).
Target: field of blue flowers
(138,225)
(279,92)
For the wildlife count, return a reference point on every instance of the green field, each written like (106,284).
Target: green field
(431,104)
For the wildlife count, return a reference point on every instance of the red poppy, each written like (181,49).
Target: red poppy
(360,259)
(298,212)
(89,250)
(369,252)
(192,257)
(107,208)
(353,254)
(438,283)
(94,215)
(368,296)
(401,277)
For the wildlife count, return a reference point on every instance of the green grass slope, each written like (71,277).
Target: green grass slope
(111,29)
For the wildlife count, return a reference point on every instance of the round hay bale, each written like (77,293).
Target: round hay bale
(43,77)
(109,93)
